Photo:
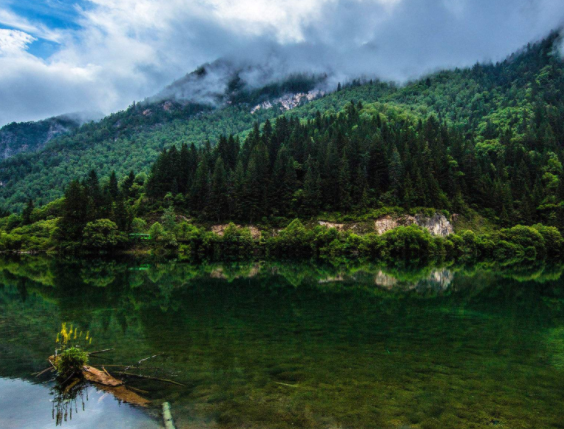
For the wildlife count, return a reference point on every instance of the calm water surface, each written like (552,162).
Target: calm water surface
(287,345)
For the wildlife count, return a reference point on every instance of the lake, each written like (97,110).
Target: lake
(287,344)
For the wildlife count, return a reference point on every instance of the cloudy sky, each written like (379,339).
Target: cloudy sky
(60,56)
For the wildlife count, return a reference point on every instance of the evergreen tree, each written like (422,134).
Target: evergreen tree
(26,214)
(75,214)
(218,204)
(113,187)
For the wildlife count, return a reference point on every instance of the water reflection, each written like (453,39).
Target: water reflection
(277,345)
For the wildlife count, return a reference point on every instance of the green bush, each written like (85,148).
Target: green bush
(138,225)
(295,239)
(157,231)
(409,240)
(101,234)
(552,238)
(237,241)
(524,236)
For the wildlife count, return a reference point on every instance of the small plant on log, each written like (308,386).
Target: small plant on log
(71,360)
(70,356)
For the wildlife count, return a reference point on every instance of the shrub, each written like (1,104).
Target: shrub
(524,236)
(237,241)
(157,231)
(295,239)
(138,225)
(552,238)
(102,233)
(372,245)
(408,240)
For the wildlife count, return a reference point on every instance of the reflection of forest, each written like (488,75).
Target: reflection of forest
(232,330)
(112,291)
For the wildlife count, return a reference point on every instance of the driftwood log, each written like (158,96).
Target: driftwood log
(106,382)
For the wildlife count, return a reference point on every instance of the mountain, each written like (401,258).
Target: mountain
(33,136)
(132,139)
(225,83)
(505,118)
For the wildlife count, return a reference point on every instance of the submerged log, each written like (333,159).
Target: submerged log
(164,380)
(106,382)
(125,395)
(96,376)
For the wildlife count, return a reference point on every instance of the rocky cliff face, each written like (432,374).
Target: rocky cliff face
(437,224)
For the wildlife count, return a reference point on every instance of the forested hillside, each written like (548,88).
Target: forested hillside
(486,138)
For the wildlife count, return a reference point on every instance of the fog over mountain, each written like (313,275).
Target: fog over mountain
(115,51)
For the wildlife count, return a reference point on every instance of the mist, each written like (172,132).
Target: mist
(128,50)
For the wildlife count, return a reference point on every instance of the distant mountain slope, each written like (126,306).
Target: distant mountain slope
(32,136)
(520,98)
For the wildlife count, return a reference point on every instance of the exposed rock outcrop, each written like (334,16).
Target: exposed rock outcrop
(337,226)
(220,230)
(289,101)
(437,224)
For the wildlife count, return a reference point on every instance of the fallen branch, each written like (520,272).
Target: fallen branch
(286,384)
(123,366)
(150,378)
(137,390)
(68,378)
(100,357)
(142,360)
(70,386)
(99,351)
(44,371)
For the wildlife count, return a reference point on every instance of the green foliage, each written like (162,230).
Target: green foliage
(138,225)
(156,231)
(71,360)
(525,237)
(552,238)
(168,219)
(101,234)
(409,240)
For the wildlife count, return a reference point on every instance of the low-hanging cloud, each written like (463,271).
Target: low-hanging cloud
(125,50)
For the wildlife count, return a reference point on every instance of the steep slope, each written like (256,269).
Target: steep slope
(518,101)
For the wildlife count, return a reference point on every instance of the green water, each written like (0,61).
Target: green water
(287,345)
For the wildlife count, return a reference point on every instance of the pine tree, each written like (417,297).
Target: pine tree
(121,215)
(199,193)
(127,185)
(312,189)
(344,184)
(396,173)
(26,214)
(74,213)
(218,204)
(408,193)
(113,187)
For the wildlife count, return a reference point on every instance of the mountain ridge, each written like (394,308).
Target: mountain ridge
(481,101)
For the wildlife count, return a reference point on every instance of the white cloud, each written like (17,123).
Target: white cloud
(125,50)
(14,42)
(10,19)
